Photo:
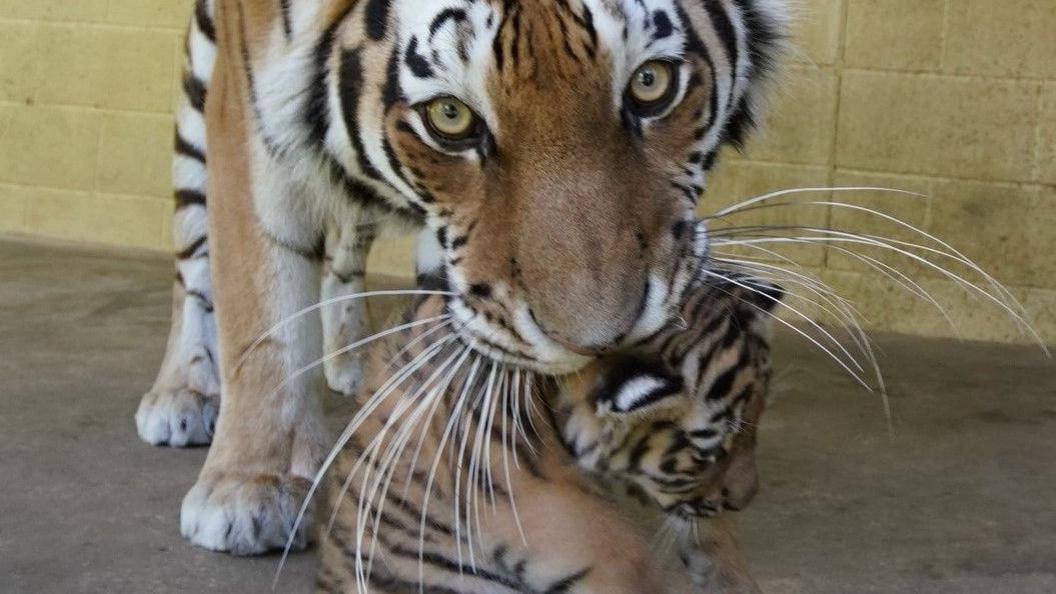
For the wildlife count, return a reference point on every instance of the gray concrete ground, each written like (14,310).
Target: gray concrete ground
(960,498)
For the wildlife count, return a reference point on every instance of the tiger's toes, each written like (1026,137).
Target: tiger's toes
(246,514)
(177,418)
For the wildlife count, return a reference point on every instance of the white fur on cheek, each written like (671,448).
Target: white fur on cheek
(634,394)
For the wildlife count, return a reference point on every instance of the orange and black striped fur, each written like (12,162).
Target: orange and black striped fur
(552,151)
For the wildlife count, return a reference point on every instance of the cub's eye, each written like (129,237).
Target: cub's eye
(652,87)
(451,120)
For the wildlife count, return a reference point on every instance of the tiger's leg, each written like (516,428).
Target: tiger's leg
(269,436)
(347,248)
(181,407)
(714,559)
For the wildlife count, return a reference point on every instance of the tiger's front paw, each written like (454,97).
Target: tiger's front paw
(177,418)
(246,514)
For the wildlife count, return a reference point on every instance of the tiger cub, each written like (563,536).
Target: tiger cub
(454,475)
(451,478)
(673,421)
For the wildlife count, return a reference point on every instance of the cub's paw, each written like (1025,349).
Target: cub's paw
(177,418)
(245,514)
(344,374)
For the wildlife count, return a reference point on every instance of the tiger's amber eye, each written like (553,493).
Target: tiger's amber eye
(451,118)
(652,83)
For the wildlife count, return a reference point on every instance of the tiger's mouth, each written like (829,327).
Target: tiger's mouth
(502,343)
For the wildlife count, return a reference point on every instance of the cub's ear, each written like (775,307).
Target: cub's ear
(633,385)
(766,295)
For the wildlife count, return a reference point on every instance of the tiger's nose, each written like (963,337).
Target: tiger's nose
(596,346)
(598,334)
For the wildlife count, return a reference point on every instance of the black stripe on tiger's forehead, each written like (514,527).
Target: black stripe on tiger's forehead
(377,18)
(526,28)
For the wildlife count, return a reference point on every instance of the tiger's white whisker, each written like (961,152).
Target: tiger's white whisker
(860,337)
(380,395)
(841,312)
(351,347)
(500,390)
(470,380)
(833,236)
(757,199)
(459,464)
(425,334)
(431,477)
(816,343)
(395,449)
(366,500)
(333,301)
(473,475)
(955,255)
(960,256)
(796,311)
(507,395)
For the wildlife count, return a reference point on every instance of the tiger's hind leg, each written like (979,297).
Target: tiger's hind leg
(182,406)
(345,320)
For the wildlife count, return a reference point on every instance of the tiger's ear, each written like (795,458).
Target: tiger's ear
(634,385)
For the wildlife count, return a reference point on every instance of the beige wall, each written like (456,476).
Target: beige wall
(952,98)
(955,99)
(86,95)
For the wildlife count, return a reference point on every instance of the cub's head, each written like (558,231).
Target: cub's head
(558,149)
(676,416)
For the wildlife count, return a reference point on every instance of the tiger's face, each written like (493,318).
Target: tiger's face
(558,149)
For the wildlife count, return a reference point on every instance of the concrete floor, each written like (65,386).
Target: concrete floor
(961,498)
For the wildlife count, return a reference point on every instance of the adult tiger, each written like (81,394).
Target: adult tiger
(555,150)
